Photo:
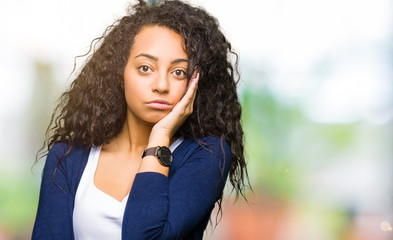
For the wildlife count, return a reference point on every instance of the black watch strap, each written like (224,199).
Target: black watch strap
(150,151)
(163,154)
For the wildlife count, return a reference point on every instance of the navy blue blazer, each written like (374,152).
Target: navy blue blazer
(158,207)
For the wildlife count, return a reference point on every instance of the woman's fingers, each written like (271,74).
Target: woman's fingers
(193,90)
(185,105)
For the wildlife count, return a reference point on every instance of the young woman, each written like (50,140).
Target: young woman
(141,144)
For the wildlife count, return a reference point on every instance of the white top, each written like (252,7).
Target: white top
(98,215)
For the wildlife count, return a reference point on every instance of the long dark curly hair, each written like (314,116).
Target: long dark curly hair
(93,110)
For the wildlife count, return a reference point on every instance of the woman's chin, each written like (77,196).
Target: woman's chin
(154,118)
(149,117)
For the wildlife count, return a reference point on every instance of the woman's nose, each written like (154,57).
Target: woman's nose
(161,83)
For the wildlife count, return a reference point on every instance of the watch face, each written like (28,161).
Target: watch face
(165,156)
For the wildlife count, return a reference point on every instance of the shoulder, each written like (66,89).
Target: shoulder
(210,151)
(210,144)
(64,150)
(64,155)
(64,165)
(58,149)
(204,162)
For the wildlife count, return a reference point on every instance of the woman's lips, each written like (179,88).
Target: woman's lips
(159,104)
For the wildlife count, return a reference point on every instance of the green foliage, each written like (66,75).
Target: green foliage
(282,144)
(267,125)
(18,202)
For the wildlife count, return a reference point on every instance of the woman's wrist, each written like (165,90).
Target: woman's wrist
(151,163)
(158,139)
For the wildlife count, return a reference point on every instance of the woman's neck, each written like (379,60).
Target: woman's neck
(133,137)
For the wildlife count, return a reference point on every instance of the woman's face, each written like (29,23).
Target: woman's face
(155,74)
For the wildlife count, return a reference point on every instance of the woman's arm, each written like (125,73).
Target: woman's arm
(53,220)
(163,131)
(162,208)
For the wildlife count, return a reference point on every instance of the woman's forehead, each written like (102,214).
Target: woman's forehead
(160,42)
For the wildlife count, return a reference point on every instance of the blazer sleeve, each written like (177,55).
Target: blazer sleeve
(53,220)
(162,208)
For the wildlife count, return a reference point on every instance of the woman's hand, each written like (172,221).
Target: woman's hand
(163,130)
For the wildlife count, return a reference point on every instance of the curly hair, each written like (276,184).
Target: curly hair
(93,110)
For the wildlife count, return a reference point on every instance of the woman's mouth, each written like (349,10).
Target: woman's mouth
(159,104)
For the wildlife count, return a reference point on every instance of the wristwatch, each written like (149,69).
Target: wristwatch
(163,154)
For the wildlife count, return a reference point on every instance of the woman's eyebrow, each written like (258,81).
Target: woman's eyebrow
(179,60)
(156,58)
(148,56)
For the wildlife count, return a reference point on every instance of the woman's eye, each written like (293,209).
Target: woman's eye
(144,69)
(179,73)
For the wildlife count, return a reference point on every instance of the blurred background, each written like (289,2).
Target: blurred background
(317,102)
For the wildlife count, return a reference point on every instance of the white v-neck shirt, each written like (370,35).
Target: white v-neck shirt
(98,215)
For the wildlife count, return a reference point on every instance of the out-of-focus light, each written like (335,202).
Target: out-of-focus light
(385,226)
